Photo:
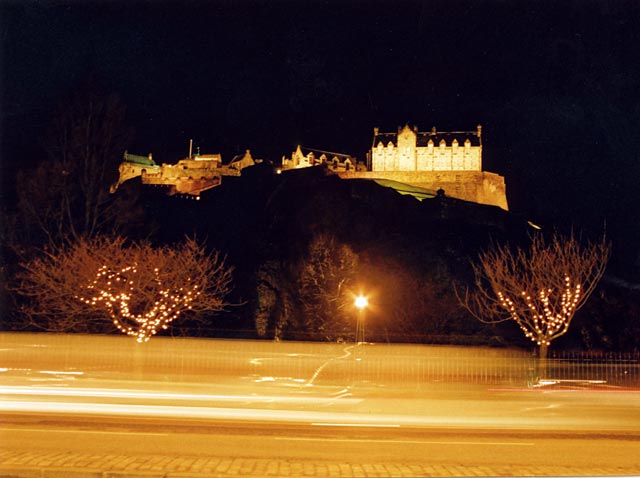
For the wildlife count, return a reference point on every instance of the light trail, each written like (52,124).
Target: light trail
(223,413)
(406,442)
(154,395)
(75,432)
(220,413)
(59,372)
(300,417)
(303,410)
(379,425)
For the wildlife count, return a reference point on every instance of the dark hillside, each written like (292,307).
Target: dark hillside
(265,222)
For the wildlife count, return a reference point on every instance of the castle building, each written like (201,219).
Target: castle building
(412,150)
(188,178)
(317,157)
(445,161)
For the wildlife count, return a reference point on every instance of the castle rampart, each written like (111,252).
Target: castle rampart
(477,186)
(451,161)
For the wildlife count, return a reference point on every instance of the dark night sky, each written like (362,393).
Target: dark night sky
(554,83)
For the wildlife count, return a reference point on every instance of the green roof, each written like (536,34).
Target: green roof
(142,160)
(407,189)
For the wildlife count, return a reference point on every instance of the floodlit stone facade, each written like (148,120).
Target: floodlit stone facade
(334,161)
(448,161)
(412,150)
(189,177)
(434,160)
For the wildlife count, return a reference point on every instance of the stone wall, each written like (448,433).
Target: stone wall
(476,186)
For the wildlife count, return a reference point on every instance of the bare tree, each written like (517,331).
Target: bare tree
(67,195)
(540,288)
(137,288)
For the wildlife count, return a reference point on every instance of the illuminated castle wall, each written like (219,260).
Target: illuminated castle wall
(411,150)
(189,177)
(316,157)
(451,161)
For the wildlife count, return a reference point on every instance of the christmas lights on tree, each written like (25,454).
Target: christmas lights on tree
(140,288)
(117,291)
(540,288)
(547,314)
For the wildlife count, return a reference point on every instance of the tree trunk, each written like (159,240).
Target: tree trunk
(542,361)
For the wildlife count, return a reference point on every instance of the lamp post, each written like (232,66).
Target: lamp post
(361,304)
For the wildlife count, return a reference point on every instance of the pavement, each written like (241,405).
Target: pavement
(75,465)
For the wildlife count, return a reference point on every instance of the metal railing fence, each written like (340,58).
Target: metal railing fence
(401,365)
(613,368)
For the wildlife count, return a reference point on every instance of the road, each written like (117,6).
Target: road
(491,427)
(50,409)
(313,441)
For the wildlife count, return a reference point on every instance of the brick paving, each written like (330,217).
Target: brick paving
(75,465)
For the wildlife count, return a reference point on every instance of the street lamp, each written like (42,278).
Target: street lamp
(361,303)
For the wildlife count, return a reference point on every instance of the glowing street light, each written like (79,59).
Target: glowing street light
(361,304)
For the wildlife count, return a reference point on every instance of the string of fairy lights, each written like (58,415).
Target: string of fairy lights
(543,319)
(117,290)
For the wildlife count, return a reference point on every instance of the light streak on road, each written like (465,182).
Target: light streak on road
(337,385)
(59,372)
(76,432)
(379,425)
(406,442)
(157,395)
(219,413)
(322,439)
(304,417)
